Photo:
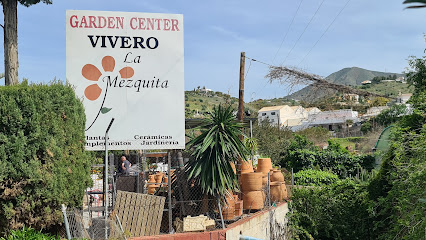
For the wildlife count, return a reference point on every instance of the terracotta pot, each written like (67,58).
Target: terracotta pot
(233,167)
(253,200)
(159,177)
(276,191)
(245,166)
(166,179)
(264,179)
(238,208)
(284,194)
(277,176)
(235,197)
(251,181)
(151,189)
(229,208)
(264,165)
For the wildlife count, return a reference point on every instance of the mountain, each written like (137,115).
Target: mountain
(347,76)
(354,76)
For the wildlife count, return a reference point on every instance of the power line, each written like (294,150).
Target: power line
(341,10)
(304,30)
(288,29)
(254,60)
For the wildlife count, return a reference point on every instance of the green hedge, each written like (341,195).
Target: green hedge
(313,177)
(336,211)
(42,159)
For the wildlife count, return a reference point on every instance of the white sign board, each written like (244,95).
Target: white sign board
(128,66)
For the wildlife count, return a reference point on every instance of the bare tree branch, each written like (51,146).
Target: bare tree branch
(285,75)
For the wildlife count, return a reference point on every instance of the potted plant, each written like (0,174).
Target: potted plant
(213,149)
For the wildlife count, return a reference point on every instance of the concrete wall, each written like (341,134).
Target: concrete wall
(266,224)
(259,224)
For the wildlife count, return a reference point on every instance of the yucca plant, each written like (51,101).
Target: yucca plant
(214,148)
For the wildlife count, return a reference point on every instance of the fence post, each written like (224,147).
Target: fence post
(169,190)
(67,225)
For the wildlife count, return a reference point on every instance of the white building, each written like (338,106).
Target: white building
(333,120)
(403,98)
(286,116)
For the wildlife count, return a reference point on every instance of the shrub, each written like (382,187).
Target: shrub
(312,177)
(43,161)
(28,234)
(337,211)
(272,142)
(301,154)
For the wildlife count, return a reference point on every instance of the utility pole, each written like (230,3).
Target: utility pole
(240,114)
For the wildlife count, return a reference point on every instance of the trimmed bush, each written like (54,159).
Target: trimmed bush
(43,163)
(312,177)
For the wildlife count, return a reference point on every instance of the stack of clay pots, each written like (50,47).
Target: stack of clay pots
(278,188)
(238,207)
(251,186)
(228,210)
(245,166)
(152,187)
(264,165)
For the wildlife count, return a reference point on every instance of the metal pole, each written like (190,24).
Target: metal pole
(169,191)
(220,210)
(67,225)
(106,179)
(251,128)
(269,190)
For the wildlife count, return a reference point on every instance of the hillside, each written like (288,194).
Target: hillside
(347,76)
(391,89)
(354,76)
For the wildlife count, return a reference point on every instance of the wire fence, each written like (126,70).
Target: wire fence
(84,227)
(186,206)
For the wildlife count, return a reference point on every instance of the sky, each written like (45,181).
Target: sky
(317,36)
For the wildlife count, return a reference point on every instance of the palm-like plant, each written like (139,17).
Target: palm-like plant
(214,148)
(422,3)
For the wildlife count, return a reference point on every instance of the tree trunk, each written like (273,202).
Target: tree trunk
(10,10)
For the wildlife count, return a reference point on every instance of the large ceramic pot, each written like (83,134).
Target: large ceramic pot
(251,181)
(264,165)
(264,179)
(253,200)
(277,176)
(151,189)
(284,194)
(276,191)
(238,208)
(159,177)
(228,210)
(245,166)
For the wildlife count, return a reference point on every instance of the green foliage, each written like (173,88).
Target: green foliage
(301,154)
(336,211)
(43,161)
(391,115)
(312,177)
(251,144)
(272,142)
(416,76)
(399,187)
(28,3)
(421,3)
(28,234)
(214,148)
(379,101)
(366,127)
(315,134)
